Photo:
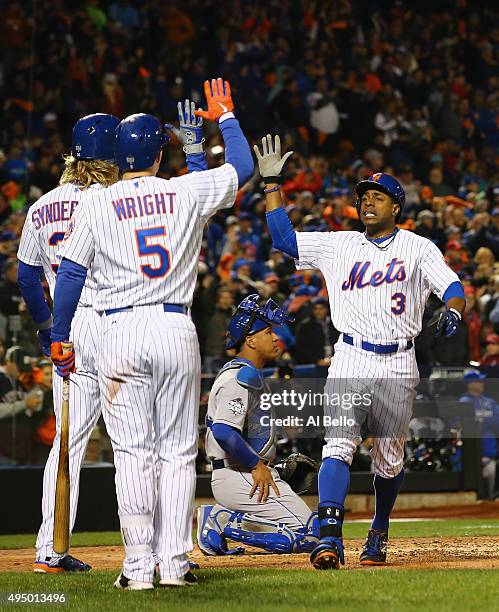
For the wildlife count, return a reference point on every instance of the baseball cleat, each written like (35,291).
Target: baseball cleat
(211,540)
(192,566)
(126,584)
(328,554)
(374,548)
(204,526)
(65,564)
(186,580)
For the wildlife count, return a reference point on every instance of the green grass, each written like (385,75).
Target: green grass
(254,590)
(421,529)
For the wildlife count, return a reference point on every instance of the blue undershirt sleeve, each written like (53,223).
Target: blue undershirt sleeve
(30,284)
(237,150)
(196,162)
(454,290)
(68,287)
(282,232)
(234,445)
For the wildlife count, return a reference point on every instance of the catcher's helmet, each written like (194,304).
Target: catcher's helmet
(251,318)
(93,137)
(139,139)
(385,183)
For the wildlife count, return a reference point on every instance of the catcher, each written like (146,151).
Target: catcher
(254,505)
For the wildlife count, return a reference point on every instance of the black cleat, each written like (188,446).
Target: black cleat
(328,554)
(374,549)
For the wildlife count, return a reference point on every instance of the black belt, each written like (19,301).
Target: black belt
(178,308)
(379,349)
(218,464)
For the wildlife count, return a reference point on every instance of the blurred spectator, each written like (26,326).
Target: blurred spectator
(491,355)
(19,402)
(314,335)
(487,413)
(45,422)
(216,330)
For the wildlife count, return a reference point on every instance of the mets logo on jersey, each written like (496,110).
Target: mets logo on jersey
(237,406)
(360,276)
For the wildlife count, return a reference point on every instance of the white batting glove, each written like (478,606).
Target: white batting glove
(271,163)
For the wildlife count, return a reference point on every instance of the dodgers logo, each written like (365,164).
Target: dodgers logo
(237,406)
(358,277)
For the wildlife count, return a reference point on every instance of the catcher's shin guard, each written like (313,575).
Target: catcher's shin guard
(255,531)
(307,537)
(374,548)
(211,539)
(328,554)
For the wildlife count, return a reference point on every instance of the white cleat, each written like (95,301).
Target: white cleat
(124,583)
(186,580)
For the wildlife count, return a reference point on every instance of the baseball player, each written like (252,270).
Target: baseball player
(240,444)
(143,249)
(90,166)
(378,283)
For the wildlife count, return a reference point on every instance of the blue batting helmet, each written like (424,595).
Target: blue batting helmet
(139,139)
(251,318)
(385,183)
(471,375)
(93,137)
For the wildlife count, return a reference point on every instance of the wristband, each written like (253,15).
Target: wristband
(272,189)
(456,312)
(271,179)
(193,148)
(228,115)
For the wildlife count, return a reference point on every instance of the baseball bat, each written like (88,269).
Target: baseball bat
(61,511)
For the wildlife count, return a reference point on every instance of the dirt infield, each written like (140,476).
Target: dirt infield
(404,553)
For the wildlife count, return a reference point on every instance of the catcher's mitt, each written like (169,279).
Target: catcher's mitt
(299,471)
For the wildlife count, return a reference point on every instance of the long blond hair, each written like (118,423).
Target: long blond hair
(88,171)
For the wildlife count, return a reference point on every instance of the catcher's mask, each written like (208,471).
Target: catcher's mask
(251,318)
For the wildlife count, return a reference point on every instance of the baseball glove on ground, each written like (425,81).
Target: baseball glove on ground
(299,471)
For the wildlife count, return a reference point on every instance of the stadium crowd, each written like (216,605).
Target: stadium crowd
(352,86)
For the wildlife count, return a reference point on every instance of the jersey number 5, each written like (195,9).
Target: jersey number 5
(145,249)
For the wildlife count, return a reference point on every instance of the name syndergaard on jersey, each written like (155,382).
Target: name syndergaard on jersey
(46,224)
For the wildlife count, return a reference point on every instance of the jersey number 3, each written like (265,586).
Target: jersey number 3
(145,249)
(399,307)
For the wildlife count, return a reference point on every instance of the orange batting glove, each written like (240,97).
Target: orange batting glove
(64,361)
(219,100)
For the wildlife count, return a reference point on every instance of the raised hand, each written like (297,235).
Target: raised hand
(270,162)
(219,99)
(190,130)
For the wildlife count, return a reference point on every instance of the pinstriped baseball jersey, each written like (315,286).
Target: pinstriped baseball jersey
(376,291)
(46,223)
(145,241)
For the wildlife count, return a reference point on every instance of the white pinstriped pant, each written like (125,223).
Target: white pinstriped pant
(149,376)
(84,411)
(390,381)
